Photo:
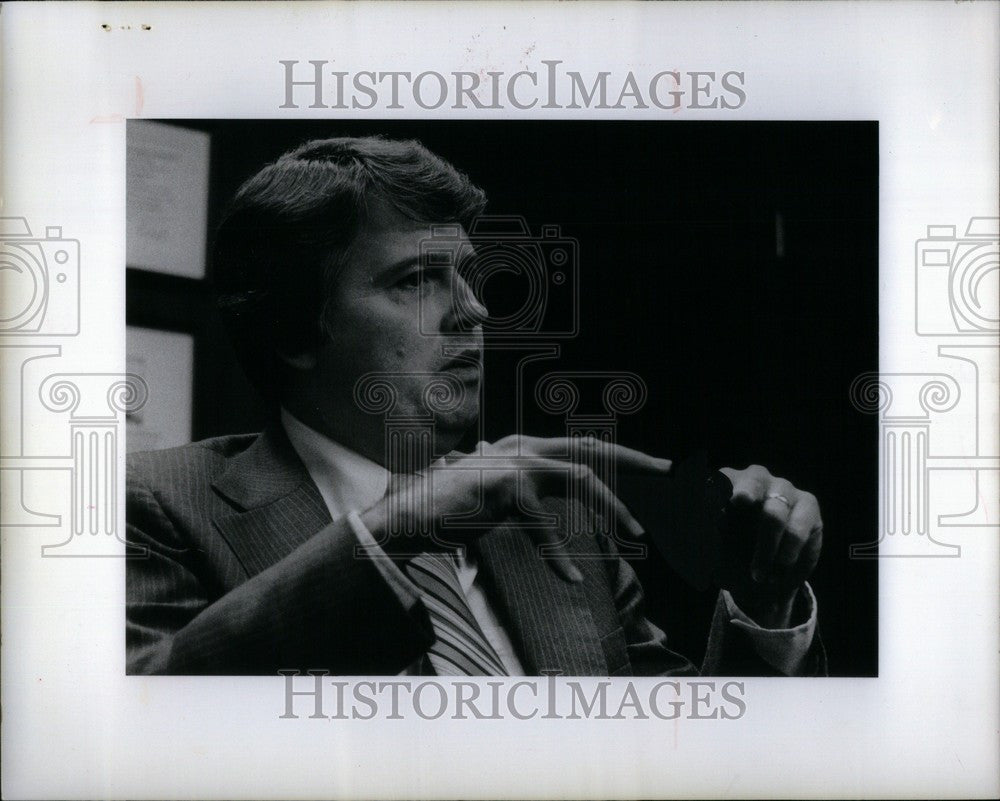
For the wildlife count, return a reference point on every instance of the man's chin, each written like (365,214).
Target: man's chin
(450,428)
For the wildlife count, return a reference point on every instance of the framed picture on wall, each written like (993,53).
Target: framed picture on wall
(164,360)
(167,197)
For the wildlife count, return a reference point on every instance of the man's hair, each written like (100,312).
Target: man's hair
(288,233)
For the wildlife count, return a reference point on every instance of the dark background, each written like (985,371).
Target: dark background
(733,266)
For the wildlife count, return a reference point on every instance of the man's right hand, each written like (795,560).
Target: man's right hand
(500,481)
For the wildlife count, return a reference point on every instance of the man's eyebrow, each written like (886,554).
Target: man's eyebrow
(398,267)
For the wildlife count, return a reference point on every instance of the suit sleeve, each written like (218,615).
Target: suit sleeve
(736,646)
(318,608)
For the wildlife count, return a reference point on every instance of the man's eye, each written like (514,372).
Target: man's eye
(411,280)
(423,277)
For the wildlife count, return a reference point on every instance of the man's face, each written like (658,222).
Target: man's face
(391,313)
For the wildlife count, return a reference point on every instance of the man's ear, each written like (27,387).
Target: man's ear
(304,360)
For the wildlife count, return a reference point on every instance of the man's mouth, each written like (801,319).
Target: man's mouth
(467,360)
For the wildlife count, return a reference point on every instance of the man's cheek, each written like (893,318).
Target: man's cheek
(409,353)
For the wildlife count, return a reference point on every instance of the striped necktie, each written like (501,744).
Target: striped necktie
(461,648)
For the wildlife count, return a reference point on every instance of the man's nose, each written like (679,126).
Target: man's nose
(467,311)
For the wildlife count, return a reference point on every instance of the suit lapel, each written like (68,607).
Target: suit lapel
(549,619)
(276,506)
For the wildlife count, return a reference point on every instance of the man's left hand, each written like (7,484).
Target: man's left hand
(787,530)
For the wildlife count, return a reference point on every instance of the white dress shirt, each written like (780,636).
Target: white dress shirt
(350,484)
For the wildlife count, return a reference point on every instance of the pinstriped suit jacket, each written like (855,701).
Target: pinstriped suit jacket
(245,573)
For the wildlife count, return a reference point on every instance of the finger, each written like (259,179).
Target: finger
(809,557)
(803,528)
(603,499)
(627,458)
(789,550)
(592,493)
(556,556)
(587,449)
(805,515)
(749,486)
(770,527)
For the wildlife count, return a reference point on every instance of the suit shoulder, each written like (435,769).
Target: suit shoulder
(205,456)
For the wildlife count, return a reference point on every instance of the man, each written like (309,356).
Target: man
(319,544)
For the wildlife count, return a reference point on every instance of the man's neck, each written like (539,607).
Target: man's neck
(366,436)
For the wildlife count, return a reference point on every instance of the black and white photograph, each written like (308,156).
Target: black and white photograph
(515,398)
(496,400)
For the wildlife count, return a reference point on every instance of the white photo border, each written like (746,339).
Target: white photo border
(75,726)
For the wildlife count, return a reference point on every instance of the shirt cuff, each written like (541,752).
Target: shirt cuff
(783,649)
(404,589)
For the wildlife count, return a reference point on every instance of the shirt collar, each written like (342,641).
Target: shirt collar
(348,481)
